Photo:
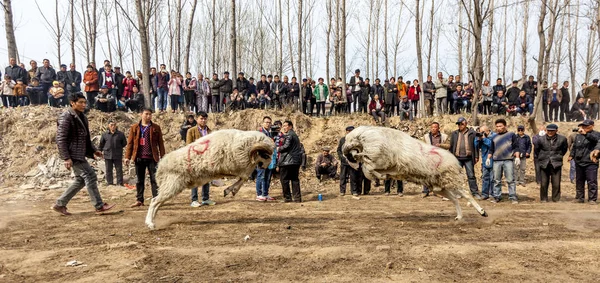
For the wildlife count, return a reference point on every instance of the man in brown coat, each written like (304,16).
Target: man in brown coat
(145,146)
(326,164)
(194,133)
(592,94)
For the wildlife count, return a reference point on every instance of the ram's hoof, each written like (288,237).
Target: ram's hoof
(458,218)
(484,214)
(225,193)
(150,225)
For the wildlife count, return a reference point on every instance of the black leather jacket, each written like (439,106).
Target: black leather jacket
(291,150)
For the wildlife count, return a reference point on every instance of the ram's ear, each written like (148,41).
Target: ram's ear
(260,150)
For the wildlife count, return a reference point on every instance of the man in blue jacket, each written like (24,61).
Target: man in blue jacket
(483,142)
(524,149)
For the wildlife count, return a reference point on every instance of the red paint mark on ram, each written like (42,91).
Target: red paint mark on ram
(433,151)
(203,147)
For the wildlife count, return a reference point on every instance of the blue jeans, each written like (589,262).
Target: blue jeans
(263,181)
(162,99)
(508,168)
(205,192)
(487,185)
(468,165)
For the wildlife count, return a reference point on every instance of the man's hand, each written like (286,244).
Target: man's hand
(570,158)
(527,155)
(68,164)
(488,162)
(323,164)
(126,161)
(476,159)
(594,155)
(517,161)
(98,154)
(581,131)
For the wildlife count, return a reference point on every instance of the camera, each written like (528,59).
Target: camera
(478,134)
(275,129)
(575,130)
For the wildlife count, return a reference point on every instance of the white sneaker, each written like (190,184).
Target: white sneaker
(195,204)
(261,198)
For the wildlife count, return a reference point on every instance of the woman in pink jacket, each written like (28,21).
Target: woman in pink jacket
(174,90)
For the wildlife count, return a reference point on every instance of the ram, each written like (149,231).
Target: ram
(385,153)
(225,153)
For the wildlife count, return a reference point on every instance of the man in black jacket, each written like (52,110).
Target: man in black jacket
(225,90)
(355,84)
(550,150)
(565,114)
(15,72)
(74,145)
(112,143)
(346,171)
(586,169)
(242,85)
(462,145)
(289,163)
(72,81)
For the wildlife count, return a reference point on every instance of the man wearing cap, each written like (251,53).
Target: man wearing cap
(105,102)
(326,164)
(550,150)
(524,149)
(586,165)
(462,145)
(355,84)
(435,138)
(504,152)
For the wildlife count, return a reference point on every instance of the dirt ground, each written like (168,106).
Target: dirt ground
(375,239)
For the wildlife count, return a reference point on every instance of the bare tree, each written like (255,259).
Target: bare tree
(290,46)
(233,43)
(524,44)
(72,12)
(144,10)
(418,31)
(106,10)
(488,52)
(343,43)
(188,41)
(329,5)
(91,29)
(385,39)
(300,20)
(10,30)
(572,50)
(429,36)
(57,29)
(120,51)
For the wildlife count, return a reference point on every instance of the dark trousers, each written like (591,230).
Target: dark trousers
(553,113)
(564,111)
(545,107)
(91,99)
(550,174)
(364,184)
(538,175)
(389,110)
(362,107)
(388,186)
(216,106)
(320,108)
(140,171)
(470,169)
(304,106)
(347,172)
(289,174)
(330,171)
(46,87)
(355,95)
(174,102)
(587,174)
(205,192)
(118,165)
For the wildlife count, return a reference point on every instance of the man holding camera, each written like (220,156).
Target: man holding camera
(483,142)
(585,151)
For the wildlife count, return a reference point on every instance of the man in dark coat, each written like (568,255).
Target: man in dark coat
(524,149)
(346,171)
(550,150)
(462,145)
(73,80)
(112,143)
(586,169)
(74,145)
(355,84)
(289,163)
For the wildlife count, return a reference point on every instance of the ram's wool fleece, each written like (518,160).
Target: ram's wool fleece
(386,153)
(225,153)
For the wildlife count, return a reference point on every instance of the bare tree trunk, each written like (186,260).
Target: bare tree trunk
(336,47)
(106,9)
(92,22)
(233,43)
(156,43)
(343,45)
(85,30)
(524,44)
(119,46)
(300,38)
(188,42)
(589,62)
(376,41)
(328,47)
(72,11)
(178,36)
(504,41)
(514,50)
(572,50)
(143,16)
(290,39)
(537,113)
(10,30)
(558,54)
(460,43)
(58,35)
(488,51)
(419,47)
(214,36)
(429,36)
(280,67)
(369,29)
(385,36)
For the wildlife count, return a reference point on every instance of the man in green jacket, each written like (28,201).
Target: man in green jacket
(321,92)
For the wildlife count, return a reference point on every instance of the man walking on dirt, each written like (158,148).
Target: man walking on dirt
(145,146)
(74,145)
(585,153)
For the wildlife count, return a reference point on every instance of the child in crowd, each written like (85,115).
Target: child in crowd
(56,94)
(35,92)
(21,93)
(7,88)
(253,102)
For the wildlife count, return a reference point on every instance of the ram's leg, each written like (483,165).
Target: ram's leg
(233,189)
(450,195)
(472,201)
(168,189)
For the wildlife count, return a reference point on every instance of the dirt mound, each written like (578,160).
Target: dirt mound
(27,135)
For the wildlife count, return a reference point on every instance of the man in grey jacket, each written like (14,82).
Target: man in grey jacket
(441,93)
(74,145)
(112,143)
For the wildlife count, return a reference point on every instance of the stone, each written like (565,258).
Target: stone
(383,248)
(389,265)
(27,187)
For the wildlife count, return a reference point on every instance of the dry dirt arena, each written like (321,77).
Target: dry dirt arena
(375,239)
